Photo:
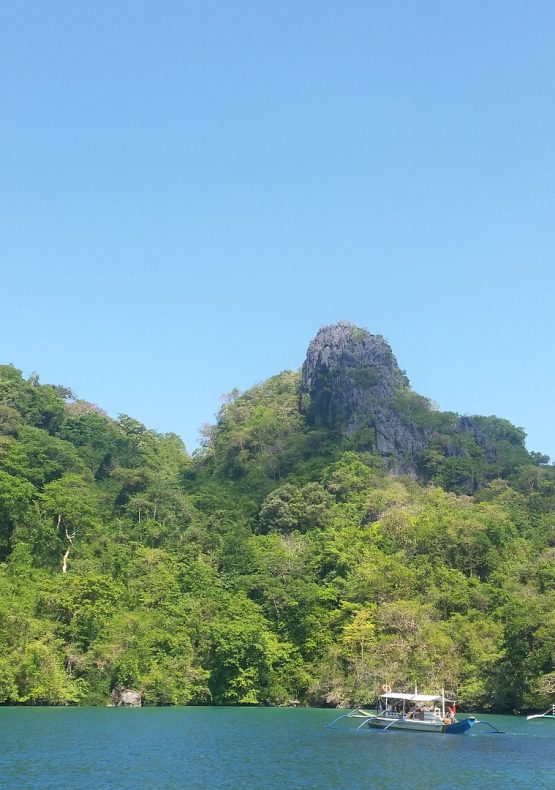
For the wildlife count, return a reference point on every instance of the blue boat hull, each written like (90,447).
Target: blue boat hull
(459,726)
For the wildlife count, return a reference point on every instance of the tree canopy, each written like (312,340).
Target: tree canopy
(279,562)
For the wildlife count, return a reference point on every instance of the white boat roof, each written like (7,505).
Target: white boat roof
(411,697)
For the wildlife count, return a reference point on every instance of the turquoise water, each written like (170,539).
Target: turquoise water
(258,748)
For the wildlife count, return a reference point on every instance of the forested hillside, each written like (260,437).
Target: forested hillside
(334,533)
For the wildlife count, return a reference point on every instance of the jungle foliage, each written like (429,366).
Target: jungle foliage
(277,563)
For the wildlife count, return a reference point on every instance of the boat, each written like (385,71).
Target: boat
(549,714)
(399,710)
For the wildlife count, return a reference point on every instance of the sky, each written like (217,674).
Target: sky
(190,190)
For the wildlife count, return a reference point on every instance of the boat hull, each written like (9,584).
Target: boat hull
(457,728)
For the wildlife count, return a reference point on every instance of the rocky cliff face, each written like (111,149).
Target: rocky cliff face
(126,698)
(350,383)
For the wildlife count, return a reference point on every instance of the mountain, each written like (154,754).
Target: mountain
(352,385)
(334,533)
(352,395)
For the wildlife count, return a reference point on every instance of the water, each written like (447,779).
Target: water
(258,748)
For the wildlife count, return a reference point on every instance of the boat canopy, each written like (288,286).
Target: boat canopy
(412,697)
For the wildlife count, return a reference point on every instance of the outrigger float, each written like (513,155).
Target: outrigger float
(397,710)
(549,714)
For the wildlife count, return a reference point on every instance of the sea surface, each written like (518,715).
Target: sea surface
(260,748)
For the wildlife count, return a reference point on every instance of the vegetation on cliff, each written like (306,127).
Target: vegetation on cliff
(286,560)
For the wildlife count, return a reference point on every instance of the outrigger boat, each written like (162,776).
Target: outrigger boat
(549,714)
(398,710)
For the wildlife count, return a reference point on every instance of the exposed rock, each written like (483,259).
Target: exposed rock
(350,382)
(469,425)
(126,698)
(353,387)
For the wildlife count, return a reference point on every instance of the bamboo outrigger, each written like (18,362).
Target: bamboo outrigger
(549,714)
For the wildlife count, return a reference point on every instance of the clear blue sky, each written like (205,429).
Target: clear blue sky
(190,190)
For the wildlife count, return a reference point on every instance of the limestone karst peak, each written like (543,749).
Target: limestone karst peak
(350,382)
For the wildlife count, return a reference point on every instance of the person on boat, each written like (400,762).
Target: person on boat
(450,715)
